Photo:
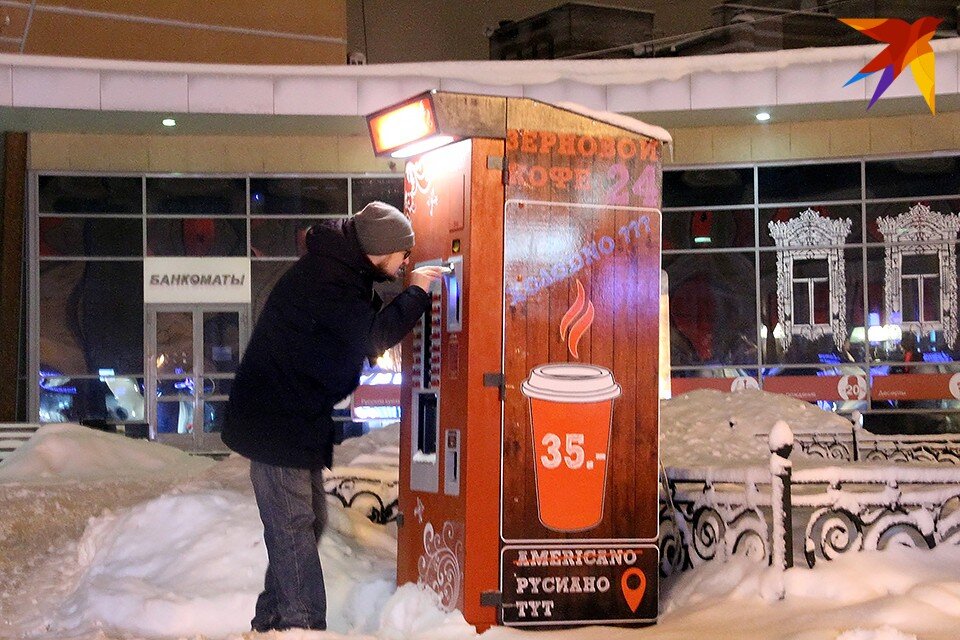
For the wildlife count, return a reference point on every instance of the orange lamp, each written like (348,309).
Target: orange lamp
(406,130)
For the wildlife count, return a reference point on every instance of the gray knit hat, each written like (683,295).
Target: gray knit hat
(382,229)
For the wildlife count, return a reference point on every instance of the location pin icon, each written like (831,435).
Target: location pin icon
(633,590)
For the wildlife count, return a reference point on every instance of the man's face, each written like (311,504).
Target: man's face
(391,264)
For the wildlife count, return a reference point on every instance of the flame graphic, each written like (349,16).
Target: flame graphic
(584,309)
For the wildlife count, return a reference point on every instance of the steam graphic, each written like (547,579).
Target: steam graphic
(577,319)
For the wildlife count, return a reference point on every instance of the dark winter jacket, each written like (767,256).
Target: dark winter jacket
(320,322)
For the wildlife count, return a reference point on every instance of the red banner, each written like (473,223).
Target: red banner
(679,386)
(916,386)
(813,388)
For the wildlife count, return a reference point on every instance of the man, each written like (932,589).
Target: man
(320,322)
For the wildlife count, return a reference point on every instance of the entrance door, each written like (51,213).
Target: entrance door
(192,354)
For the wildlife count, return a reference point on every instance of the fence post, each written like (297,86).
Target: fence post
(781,445)
(856,419)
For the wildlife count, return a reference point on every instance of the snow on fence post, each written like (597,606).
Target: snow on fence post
(781,445)
(857,419)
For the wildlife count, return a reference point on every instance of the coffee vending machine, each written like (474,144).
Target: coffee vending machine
(528,453)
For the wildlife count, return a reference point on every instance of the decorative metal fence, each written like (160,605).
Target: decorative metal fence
(752,512)
(377,499)
(858,444)
(713,513)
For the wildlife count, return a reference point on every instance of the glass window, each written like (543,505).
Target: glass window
(218,386)
(809,182)
(712,308)
(298,196)
(812,317)
(214,412)
(91,317)
(60,346)
(90,194)
(221,342)
(806,234)
(908,306)
(708,229)
(280,237)
(224,196)
(389,190)
(178,387)
(111,400)
(707,187)
(878,212)
(915,177)
(174,343)
(76,236)
(175,416)
(196,237)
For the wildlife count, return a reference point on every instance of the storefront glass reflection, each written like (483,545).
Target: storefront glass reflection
(92,235)
(712,309)
(110,399)
(855,303)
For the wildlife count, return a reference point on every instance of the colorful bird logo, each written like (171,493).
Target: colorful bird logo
(908,44)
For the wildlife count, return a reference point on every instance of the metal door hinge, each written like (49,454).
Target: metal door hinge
(498,380)
(491,598)
(500,163)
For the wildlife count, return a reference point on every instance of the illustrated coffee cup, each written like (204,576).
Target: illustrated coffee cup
(571,412)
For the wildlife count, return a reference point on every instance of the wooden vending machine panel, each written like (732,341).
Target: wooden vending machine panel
(449,438)
(579,516)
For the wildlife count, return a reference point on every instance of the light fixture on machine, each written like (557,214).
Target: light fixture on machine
(408,129)
(434,119)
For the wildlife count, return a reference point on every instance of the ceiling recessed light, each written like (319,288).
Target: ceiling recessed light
(763,116)
(169,122)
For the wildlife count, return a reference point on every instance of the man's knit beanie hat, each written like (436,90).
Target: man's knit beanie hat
(382,229)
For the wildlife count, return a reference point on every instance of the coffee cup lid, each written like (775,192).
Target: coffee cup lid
(570,383)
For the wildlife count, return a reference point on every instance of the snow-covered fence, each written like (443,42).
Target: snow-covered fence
(859,444)
(714,514)
(836,445)
(708,514)
(867,509)
(943,448)
(377,498)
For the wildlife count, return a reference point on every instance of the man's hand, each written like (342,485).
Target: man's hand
(423,277)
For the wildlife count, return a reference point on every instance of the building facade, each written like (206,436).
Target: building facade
(812,255)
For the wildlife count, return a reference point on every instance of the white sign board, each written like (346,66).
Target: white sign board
(196,280)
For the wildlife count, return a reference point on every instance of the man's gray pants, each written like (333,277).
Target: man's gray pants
(293,508)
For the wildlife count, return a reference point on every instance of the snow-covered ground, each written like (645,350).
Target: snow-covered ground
(103,537)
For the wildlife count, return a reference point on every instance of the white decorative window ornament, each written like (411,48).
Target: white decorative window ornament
(811,241)
(920,263)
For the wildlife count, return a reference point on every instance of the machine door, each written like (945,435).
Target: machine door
(192,354)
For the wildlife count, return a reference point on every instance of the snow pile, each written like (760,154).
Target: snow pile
(413,612)
(708,427)
(160,568)
(69,451)
(897,594)
(620,120)
(189,562)
(380,448)
(192,562)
